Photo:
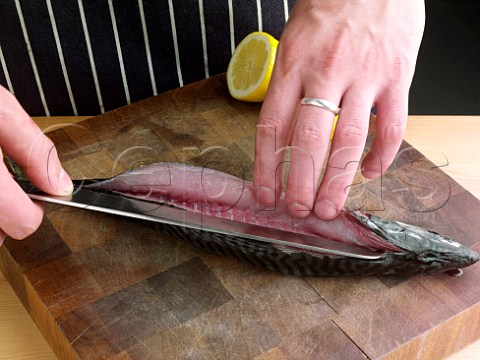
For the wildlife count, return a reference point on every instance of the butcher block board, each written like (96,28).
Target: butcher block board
(105,287)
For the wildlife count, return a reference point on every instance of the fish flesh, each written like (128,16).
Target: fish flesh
(405,249)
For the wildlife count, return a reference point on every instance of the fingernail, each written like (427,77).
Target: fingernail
(326,210)
(370,174)
(298,210)
(265,196)
(65,182)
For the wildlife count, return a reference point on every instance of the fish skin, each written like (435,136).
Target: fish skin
(306,263)
(412,249)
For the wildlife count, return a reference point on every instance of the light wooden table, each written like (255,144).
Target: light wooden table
(456,138)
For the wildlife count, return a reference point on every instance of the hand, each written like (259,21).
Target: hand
(356,53)
(21,138)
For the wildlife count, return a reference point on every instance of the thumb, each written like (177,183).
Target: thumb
(23,140)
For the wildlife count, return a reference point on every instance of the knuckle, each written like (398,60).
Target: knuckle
(273,123)
(400,70)
(400,66)
(369,60)
(393,132)
(291,53)
(312,127)
(313,132)
(397,69)
(271,118)
(353,132)
(354,128)
(334,55)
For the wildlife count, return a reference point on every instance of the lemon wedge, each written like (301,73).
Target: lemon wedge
(334,127)
(251,66)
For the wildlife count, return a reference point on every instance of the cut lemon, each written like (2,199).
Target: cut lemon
(334,127)
(251,66)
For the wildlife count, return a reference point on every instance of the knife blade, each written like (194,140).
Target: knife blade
(120,205)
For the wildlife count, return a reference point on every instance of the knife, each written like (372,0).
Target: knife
(145,210)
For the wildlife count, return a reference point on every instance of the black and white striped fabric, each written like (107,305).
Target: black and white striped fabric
(85,57)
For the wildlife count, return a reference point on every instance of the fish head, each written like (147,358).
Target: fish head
(430,248)
(433,248)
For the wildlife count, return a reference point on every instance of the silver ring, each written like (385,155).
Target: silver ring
(324,104)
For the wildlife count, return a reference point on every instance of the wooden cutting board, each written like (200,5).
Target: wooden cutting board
(100,286)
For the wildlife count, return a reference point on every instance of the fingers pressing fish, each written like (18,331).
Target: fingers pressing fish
(404,248)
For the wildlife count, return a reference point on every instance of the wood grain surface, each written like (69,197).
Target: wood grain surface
(102,287)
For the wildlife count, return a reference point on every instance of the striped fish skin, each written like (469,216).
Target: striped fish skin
(410,250)
(270,257)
